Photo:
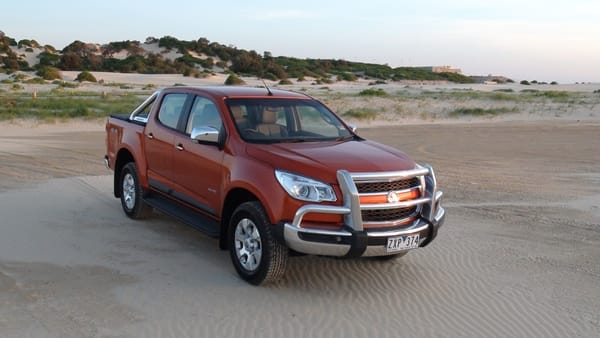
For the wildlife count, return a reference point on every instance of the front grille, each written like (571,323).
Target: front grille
(388,215)
(373,187)
(384,215)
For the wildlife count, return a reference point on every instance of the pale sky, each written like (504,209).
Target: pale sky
(522,39)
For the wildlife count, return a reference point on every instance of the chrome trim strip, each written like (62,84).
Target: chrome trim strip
(322,209)
(397,205)
(399,232)
(390,176)
(351,200)
(139,108)
(431,189)
(383,193)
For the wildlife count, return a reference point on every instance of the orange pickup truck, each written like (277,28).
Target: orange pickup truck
(269,173)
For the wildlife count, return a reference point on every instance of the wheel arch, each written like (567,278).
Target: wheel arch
(234,198)
(124,156)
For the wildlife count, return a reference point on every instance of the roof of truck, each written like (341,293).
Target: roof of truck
(238,91)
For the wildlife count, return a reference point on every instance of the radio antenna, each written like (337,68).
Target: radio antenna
(267,87)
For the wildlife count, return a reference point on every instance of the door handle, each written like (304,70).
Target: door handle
(150,136)
(179,147)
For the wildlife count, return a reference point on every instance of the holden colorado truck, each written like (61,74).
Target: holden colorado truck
(269,173)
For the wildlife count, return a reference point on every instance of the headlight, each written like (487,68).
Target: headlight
(304,188)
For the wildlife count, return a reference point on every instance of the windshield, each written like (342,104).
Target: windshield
(285,120)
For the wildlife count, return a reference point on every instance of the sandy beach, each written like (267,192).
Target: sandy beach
(517,257)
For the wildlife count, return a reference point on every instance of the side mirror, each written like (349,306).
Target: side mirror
(205,135)
(353,128)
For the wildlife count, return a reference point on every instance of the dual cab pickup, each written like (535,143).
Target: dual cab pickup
(268,172)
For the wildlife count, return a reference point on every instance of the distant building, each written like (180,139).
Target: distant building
(442,69)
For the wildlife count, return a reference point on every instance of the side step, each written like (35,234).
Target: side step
(195,219)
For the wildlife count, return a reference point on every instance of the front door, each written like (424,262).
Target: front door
(198,168)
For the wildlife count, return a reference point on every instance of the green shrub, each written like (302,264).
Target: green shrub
(373,92)
(285,82)
(64,84)
(347,77)
(525,82)
(270,76)
(19,77)
(372,83)
(361,114)
(86,76)
(234,80)
(480,111)
(35,80)
(16,86)
(552,94)
(49,73)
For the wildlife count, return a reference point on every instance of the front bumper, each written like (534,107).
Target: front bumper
(353,240)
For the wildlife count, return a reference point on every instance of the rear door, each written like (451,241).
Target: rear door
(160,133)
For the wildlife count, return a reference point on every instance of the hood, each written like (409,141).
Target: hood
(321,160)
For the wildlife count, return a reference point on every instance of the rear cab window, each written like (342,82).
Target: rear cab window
(171,109)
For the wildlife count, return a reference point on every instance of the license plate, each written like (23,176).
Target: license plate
(401,243)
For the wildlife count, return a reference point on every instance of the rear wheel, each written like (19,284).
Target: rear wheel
(256,255)
(132,193)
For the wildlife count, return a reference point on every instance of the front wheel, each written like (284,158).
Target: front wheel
(256,255)
(132,193)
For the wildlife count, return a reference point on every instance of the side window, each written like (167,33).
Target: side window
(171,109)
(204,113)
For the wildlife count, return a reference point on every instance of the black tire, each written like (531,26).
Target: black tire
(256,255)
(132,193)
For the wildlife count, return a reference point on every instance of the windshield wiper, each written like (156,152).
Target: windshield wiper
(344,138)
(292,140)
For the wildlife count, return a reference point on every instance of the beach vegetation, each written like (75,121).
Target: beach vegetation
(377,82)
(61,105)
(361,114)
(347,76)
(480,111)
(525,82)
(35,80)
(48,59)
(373,92)
(49,73)
(285,82)
(86,76)
(65,84)
(234,80)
